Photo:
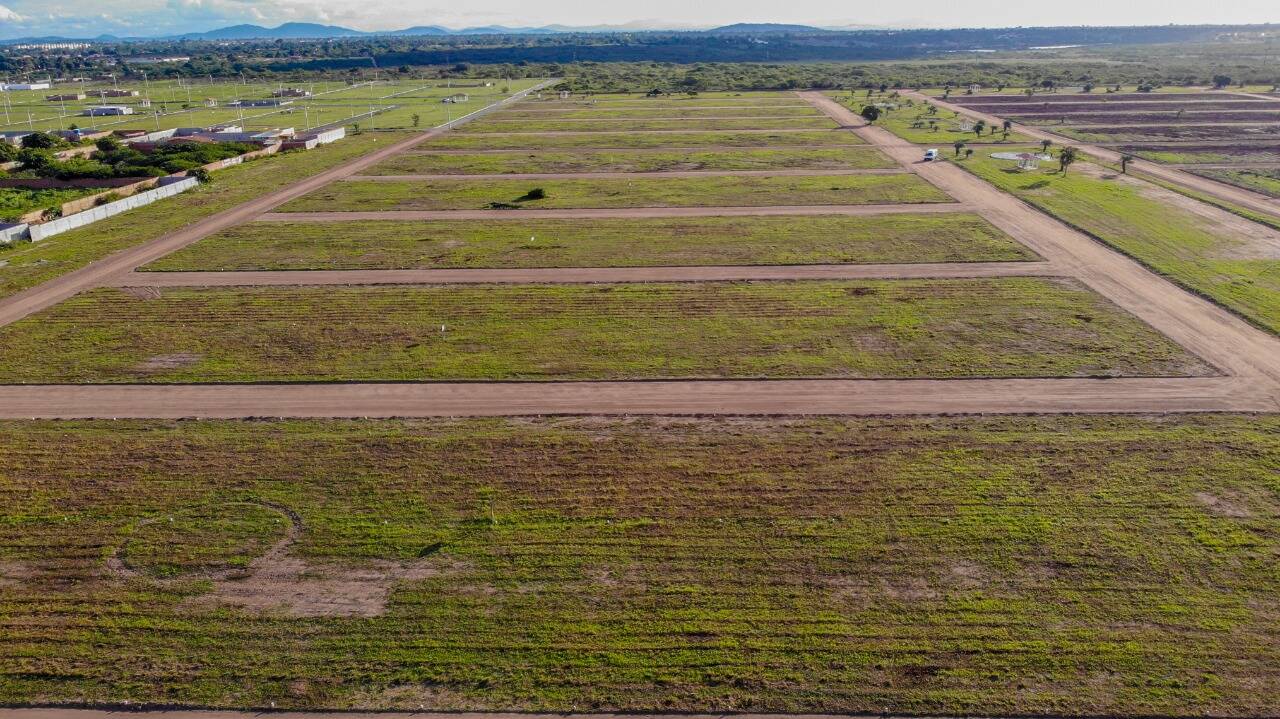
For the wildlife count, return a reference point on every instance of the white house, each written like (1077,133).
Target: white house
(103,110)
(10,86)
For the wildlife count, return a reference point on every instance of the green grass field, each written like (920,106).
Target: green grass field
(827,158)
(28,264)
(18,201)
(498,124)
(1013,327)
(581,140)
(524,111)
(1096,565)
(1172,241)
(1265,181)
(713,191)
(394,244)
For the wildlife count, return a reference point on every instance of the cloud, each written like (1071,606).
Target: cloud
(7,15)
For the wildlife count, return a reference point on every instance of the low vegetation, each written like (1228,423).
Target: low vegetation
(1234,268)
(668,140)
(811,158)
(29,264)
(18,201)
(113,160)
(1012,327)
(712,191)
(390,244)
(1097,565)
(497,124)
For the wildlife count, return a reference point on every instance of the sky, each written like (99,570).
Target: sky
(87,18)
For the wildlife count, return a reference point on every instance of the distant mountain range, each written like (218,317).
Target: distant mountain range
(315,31)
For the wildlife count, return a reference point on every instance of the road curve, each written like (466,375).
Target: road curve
(545,275)
(727,397)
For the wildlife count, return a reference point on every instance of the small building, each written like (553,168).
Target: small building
(261,102)
(1028,161)
(118,92)
(211,102)
(14,86)
(81,134)
(457,98)
(107,110)
(13,137)
(69,97)
(291,92)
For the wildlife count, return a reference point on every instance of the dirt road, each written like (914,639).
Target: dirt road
(1212,333)
(22,304)
(766,397)
(1228,193)
(619,212)
(780,172)
(545,275)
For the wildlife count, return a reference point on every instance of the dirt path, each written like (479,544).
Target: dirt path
(1244,198)
(1212,333)
(22,304)
(586,274)
(764,397)
(613,213)
(780,172)
(639,150)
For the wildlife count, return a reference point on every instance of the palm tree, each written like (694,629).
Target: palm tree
(1065,158)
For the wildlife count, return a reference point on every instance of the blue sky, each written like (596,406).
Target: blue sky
(152,17)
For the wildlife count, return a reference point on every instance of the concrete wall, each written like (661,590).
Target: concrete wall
(10,233)
(101,212)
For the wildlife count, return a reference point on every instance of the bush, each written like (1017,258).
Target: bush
(536,193)
(201,175)
(42,141)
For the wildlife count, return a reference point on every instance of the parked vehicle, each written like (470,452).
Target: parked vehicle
(930,155)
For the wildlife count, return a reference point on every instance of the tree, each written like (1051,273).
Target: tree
(108,144)
(979,126)
(416,118)
(1124,163)
(968,152)
(870,113)
(1221,81)
(1065,158)
(1045,144)
(959,146)
(41,141)
(1008,125)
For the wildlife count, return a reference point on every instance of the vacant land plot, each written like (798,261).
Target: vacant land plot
(1266,181)
(28,264)
(1084,565)
(1244,154)
(1141,118)
(495,141)
(1121,98)
(1166,131)
(710,109)
(497,124)
(825,158)
(600,243)
(1213,253)
(714,191)
(1012,327)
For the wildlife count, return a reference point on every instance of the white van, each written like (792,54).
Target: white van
(930,155)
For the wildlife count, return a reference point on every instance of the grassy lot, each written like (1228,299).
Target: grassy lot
(496,124)
(463,141)
(1266,181)
(710,109)
(600,243)
(1014,327)
(826,158)
(18,201)
(29,264)
(1242,154)
(1094,565)
(735,191)
(1173,241)
(914,122)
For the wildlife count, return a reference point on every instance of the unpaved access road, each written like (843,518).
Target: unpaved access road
(587,275)
(1228,193)
(729,397)
(1212,333)
(22,304)
(656,174)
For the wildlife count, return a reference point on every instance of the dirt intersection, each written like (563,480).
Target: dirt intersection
(1248,358)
